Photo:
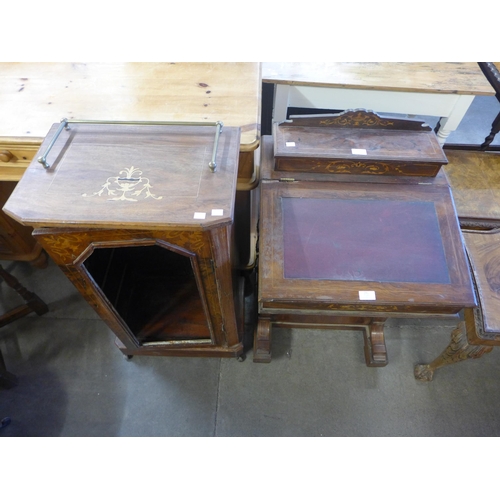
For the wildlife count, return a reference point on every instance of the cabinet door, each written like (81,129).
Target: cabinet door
(156,290)
(161,292)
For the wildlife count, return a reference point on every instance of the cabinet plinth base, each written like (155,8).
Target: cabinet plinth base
(188,351)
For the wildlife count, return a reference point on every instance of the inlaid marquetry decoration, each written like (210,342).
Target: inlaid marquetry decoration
(129,185)
(358,118)
(342,166)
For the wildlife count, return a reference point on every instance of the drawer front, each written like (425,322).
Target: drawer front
(15,158)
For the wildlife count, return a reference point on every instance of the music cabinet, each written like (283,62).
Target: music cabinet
(357,225)
(139,216)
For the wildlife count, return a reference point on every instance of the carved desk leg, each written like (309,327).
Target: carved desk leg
(262,342)
(375,349)
(459,349)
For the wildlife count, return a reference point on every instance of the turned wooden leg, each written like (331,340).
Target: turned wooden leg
(459,349)
(495,128)
(33,301)
(262,342)
(375,349)
(41,262)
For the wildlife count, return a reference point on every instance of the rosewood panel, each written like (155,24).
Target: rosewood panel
(357,142)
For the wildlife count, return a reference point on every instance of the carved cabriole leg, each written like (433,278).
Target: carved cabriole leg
(375,349)
(262,342)
(459,349)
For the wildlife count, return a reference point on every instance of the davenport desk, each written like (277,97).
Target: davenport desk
(35,95)
(445,90)
(357,225)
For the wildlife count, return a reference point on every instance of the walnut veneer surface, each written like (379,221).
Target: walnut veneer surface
(474,177)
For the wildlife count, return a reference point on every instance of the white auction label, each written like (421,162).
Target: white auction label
(358,151)
(290,144)
(217,211)
(199,215)
(367,295)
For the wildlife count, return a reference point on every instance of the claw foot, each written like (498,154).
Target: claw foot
(423,373)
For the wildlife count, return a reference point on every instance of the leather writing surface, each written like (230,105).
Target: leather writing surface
(363,240)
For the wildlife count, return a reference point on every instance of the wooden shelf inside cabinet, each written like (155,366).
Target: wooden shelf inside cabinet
(144,228)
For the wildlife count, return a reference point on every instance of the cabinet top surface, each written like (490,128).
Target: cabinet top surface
(475,181)
(435,77)
(35,95)
(116,176)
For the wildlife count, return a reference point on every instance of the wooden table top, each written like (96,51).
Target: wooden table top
(475,181)
(456,78)
(33,96)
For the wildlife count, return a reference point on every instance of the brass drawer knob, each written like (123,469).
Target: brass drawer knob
(6,156)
